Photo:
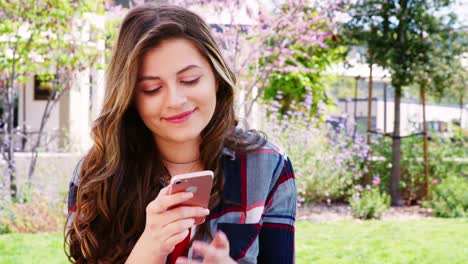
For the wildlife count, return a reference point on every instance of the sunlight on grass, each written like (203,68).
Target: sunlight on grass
(421,241)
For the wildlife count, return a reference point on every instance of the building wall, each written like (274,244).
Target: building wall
(30,111)
(411,114)
(71,118)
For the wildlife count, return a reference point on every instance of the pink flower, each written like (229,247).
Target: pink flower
(435,181)
(376,181)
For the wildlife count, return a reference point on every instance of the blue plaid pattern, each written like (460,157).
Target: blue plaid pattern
(259,208)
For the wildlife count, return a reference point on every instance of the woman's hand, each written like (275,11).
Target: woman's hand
(164,228)
(215,253)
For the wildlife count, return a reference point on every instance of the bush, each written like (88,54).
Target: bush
(369,203)
(443,163)
(450,198)
(4,229)
(327,162)
(33,216)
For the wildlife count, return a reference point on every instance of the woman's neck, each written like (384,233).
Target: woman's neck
(180,157)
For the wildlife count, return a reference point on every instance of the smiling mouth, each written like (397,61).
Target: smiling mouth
(180,117)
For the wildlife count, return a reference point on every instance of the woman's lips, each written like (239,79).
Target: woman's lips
(180,117)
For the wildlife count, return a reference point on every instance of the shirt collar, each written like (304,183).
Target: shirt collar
(230,153)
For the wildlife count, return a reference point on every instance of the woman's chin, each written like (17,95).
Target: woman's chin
(181,136)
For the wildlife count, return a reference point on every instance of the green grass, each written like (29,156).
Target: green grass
(421,241)
(32,248)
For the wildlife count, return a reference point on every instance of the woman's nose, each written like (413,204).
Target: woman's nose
(176,97)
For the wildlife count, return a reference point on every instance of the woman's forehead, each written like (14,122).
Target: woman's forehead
(172,56)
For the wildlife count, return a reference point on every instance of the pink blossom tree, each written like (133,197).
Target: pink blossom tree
(260,37)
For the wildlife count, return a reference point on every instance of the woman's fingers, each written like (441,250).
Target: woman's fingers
(175,233)
(163,202)
(177,238)
(183,212)
(220,241)
(178,227)
(215,252)
(208,251)
(163,191)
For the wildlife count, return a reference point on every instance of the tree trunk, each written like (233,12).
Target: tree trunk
(426,163)
(34,150)
(396,153)
(355,106)
(9,139)
(368,175)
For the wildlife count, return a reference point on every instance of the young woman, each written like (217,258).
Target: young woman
(169,110)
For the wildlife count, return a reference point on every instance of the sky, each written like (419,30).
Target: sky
(461,9)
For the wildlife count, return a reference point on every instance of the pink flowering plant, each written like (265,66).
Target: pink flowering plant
(449,198)
(369,202)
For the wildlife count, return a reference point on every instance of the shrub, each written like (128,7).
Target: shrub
(38,214)
(327,162)
(450,198)
(4,229)
(369,202)
(443,163)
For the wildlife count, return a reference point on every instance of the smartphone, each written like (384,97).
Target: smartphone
(199,183)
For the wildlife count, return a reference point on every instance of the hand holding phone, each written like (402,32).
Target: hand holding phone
(199,183)
(166,227)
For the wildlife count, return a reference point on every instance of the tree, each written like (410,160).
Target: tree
(392,30)
(50,38)
(261,38)
(437,72)
(292,87)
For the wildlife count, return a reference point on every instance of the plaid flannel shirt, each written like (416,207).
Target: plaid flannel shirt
(260,216)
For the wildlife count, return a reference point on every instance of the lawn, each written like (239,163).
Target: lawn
(417,241)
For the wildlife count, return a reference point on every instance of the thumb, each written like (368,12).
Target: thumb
(220,240)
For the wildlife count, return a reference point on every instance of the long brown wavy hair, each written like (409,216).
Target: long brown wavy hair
(121,173)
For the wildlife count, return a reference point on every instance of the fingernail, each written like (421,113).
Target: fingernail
(206,212)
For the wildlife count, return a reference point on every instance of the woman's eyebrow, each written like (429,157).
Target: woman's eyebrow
(188,68)
(144,78)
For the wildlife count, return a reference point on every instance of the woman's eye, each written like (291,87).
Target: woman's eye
(151,91)
(193,81)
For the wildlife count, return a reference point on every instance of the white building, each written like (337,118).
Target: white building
(438,116)
(69,124)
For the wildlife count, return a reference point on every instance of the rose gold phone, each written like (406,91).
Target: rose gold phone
(199,183)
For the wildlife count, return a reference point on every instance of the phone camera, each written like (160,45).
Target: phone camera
(178,182)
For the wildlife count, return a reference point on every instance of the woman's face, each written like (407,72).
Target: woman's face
(175,94)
